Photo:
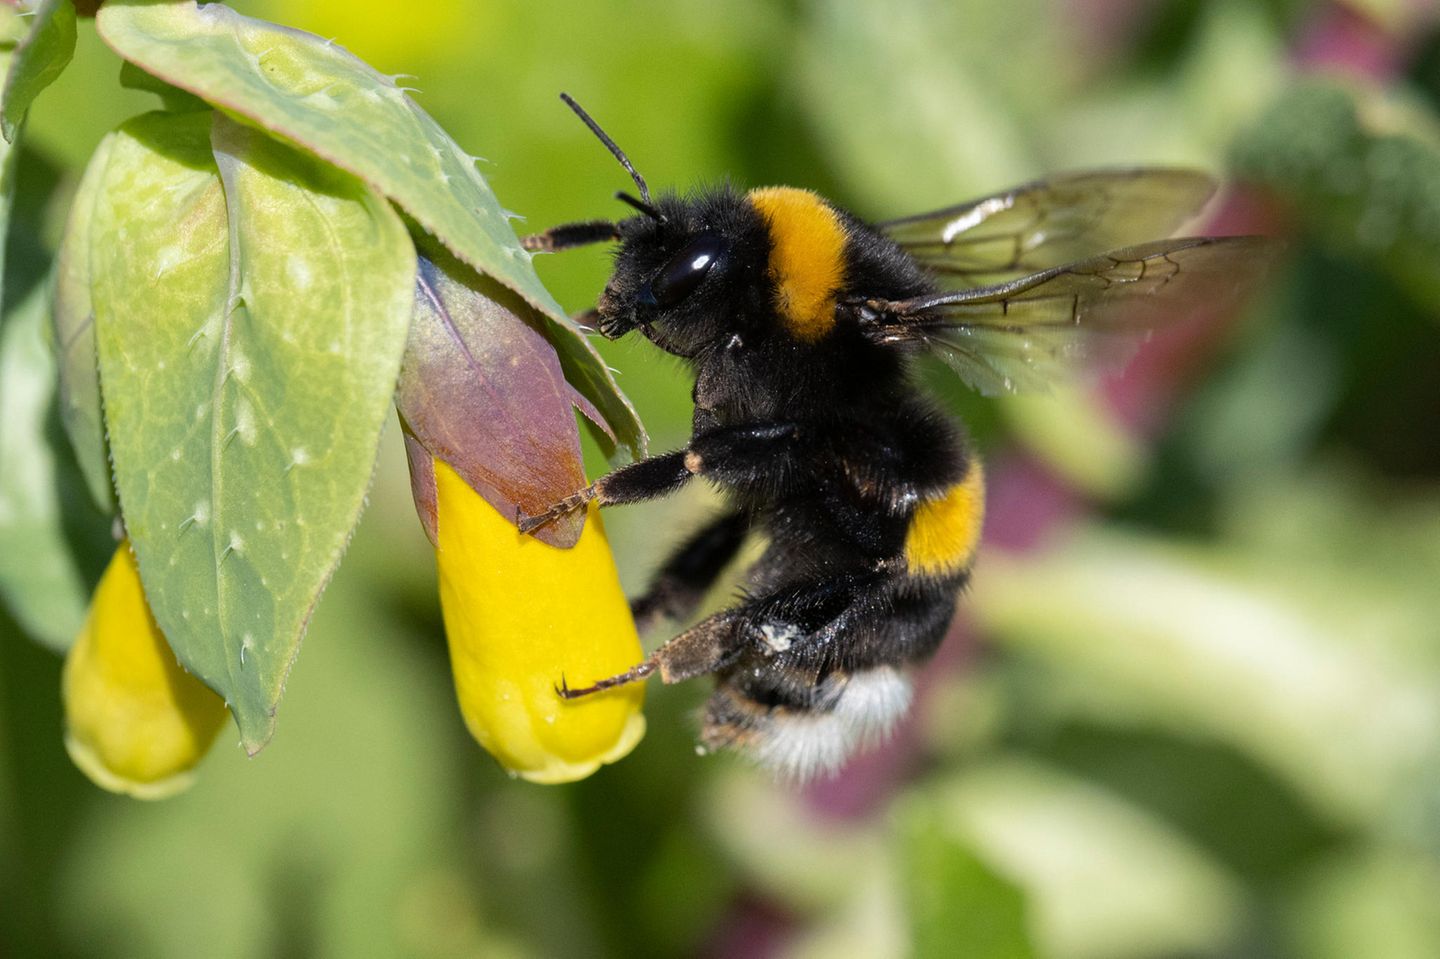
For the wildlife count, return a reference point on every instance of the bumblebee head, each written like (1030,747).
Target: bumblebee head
(680,278)
(677,263)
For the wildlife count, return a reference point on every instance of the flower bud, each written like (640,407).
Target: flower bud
(136,721)
(519,615)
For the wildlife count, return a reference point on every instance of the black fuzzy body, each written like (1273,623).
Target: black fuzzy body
(825,447)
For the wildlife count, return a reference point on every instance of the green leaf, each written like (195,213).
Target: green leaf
(957,904)
(970,139)
(321,98)
(74,323)
(173,98)
(39,580)
(251,307)
(1102,878)
(1367,901)
(1309,669)
(39,59)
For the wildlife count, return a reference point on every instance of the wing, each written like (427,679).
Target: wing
(1089,316)
(1050,222)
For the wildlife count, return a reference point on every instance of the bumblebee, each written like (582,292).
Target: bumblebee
(801,324)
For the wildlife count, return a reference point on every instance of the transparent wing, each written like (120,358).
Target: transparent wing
(1087,317)
(1050,222)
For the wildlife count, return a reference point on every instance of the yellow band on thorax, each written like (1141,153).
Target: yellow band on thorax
(945,532)
(807,258)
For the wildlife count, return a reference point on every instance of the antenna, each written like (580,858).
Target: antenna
(640,205)
(619,153)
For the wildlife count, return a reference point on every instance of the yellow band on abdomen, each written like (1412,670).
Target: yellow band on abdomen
(945,532)
(807,258)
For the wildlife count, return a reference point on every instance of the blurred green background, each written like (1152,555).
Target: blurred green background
(1191,707)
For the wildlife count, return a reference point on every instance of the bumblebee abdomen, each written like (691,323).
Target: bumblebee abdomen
(944,532)
(815,729)
(807,257)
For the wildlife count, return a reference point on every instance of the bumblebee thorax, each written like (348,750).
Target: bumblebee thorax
(807,257)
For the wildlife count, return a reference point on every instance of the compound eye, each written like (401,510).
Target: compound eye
(686,269)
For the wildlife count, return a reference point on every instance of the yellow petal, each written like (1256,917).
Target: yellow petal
(136,722)
(519,613)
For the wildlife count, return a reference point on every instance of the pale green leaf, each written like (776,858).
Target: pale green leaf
(251,309)
(11,28)
(960,129)
(172,98)
(41,57)
(322,98)
(300,87)
(1102,878)
(1299,667)
(74,322)
(1368,901)
(39,580)
(957,904)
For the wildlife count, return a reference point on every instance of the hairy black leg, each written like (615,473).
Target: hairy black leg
(644,480)
(681,583)
(803,632)
(848,622)
(883,618)
(723,454)
(738,453)
(705,647)
(569,235)
(647,479)
(770,623)
(709,645)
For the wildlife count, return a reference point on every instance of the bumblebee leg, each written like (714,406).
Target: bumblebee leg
(631,675)
(802,633)
(849,622)
(644,480)
(881,619)
(570,235)
(648,479)
(725,454)
(528,524)
(806,700)
(709,645)
(739,453)
(681,583)
(699,650)
(769,623)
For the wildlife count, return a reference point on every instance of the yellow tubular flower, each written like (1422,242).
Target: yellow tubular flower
(518,614)
(136,722)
